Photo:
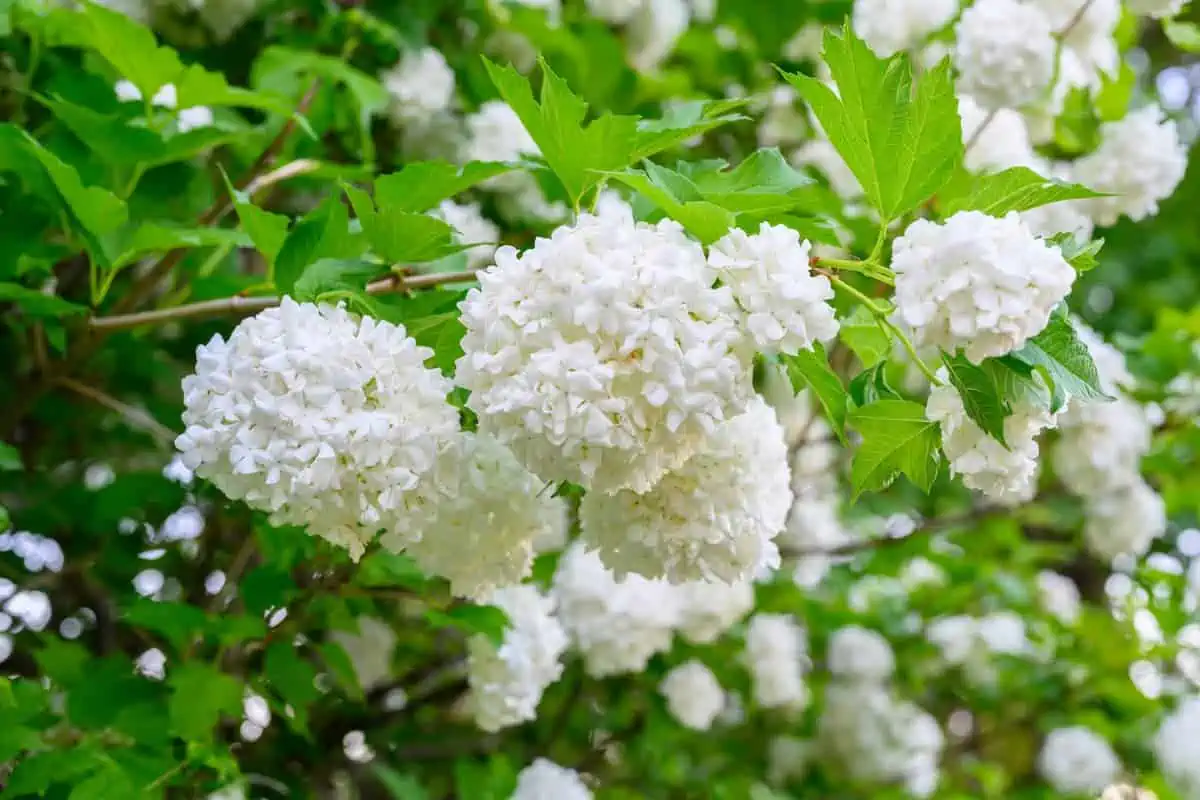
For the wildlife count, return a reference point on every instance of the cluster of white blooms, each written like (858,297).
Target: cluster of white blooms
(617,626)
(1006,472)
(694,696)
(471,227)
(320,418)
(1140,162)
(495,133)
(776,655)
(781,121)
(713,518)
(483,521)
(971,642)
(879,738)
(1005,52)
(978,283)
(708,609)
(859,654)
(653,31)
(889,26)
(1077,760)
(1126,521)
(167,97)
(1089,47)
(421,85)
(603,355)
(1156,8)
(545,780)
(786,307)
(1177,748)
(995,140)
(1059,595)
(507,682)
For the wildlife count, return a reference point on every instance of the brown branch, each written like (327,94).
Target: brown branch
(252,305)
(135,417)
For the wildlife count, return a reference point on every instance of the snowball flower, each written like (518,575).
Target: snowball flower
(496,133)
(484,520)
(860,654)
(1005,53)
(545,780)
(1089,26)
(786,307)
(889,26)
(1177,748)
(617,626)
(1140,162)
(1076,760)
(714,518)
(776,655)
(1101,446)
(320,418)
(821,155)
(471,227)
(603,355)
(972,642)
(654,30)
(694,697)
(998,140)
(708,609)
(1004,474)
(1125,521)
(1059,595)
(421,85)
(782,121)
(507,682)
(978,283)
(1161,9)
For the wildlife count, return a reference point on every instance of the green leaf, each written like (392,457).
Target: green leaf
(1112,101)
(490,621)
(402,237)
(322,233)
(266,587)
(672,192)
(200,695)
(178,623)
(111,137)
(980,396)
(1184,35)
(333,275)
(680,123)
(199,87)
(398,786)
(896,438)
(1014,189)
(574,151)
(153,237)
(37,772)
(293,677)
(902,146)
(131,49)
(1019,383)
(10,457)
(268,231)
(1065,358)
(1080,255)
(862,333)
(443,334)
(421,185)
(341,667)
(765,183)
(871,385)
(63,662)
(810,369)
(36,304)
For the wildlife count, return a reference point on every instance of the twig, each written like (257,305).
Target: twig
(136,417)
(252,305)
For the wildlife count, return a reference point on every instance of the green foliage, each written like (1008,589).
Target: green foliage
(1014,189)
(810,369)
(896,438)
(1064,359)
(980,394)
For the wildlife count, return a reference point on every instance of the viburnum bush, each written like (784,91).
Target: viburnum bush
(599,399)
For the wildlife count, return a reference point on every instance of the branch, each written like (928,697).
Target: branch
(252,305)
(135,417)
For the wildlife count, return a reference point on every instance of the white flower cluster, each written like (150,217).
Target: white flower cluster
(693,694)
(997,140)
(1177,748)
(859,654)
(653,31)
(1005,52)
(889,26)
(1140,162)
(713,518)
(978,283)
(1098,457)
(708,609)
(786,306)
(1059,596)
(421,86)
(1006,474)
(776,656)
(495,133)
(483,521)
(1156,8)
(617,626)
(603,355)
(471,227)
(1077,760)
(971,643)
(320,418)
(545,780)
(507,682)
(821,155)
